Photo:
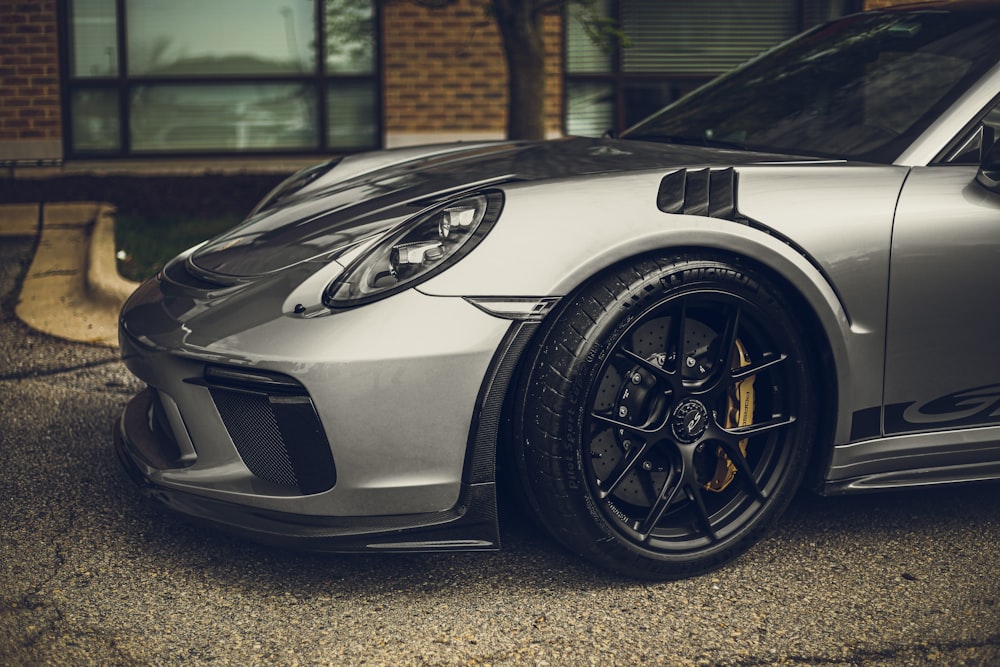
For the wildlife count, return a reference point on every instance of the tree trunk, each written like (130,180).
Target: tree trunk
(521,26)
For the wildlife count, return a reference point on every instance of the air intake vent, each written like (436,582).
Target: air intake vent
(705,192)
(252,426)
(273,423)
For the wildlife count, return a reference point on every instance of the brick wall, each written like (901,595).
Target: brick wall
(30,121)
(445,73)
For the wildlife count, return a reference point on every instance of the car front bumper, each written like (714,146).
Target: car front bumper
(471,525)
(407,417)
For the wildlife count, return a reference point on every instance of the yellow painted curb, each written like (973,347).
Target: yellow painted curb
(72,289)
(18,219)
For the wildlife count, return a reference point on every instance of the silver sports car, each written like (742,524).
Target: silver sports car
(781,280)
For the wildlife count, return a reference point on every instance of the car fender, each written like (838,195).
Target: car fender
(593,223)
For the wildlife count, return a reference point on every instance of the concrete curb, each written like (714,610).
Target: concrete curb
(72,289)
(19,220)
(103,279)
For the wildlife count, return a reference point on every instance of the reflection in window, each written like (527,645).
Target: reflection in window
(589,109)
(222,117)
(705,37)
(350,36)
(673,47)
(862,89)
(94,115)
(94,36)
(220,37)
(352,118)
(217,76)
(583,54)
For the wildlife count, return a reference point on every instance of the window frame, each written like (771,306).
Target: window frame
(317,80)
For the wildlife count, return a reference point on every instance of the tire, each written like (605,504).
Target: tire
(654,464)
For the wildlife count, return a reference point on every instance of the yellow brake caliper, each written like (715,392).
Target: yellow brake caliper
(739,412)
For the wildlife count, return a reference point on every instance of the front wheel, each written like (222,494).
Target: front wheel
(666,416)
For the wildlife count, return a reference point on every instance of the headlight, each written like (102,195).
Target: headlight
(419,248)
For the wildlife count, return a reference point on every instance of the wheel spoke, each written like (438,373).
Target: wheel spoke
(675,337)
(665,498)
(662,373)
(735,454)
(740,432)
(695,495)
(620,424)
(626,467)
(727,339)
(752,369)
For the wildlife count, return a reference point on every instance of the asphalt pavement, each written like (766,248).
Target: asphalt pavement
(93,573)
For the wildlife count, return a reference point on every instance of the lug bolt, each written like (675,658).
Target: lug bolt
(647,465)
(622,411)
(636,378)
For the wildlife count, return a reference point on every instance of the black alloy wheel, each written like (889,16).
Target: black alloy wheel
(666,420)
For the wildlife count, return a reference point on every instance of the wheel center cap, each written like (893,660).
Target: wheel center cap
(689,421)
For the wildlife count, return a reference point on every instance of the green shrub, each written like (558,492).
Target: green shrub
(144,245)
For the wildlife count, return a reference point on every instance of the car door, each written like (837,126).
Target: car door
(943,338)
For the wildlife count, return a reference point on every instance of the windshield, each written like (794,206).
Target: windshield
(862,88)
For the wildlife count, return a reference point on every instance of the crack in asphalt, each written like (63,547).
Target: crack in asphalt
(36,599)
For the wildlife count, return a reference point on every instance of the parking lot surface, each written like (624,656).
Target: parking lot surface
(93,573)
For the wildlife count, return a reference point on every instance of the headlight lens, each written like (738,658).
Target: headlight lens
(418,249)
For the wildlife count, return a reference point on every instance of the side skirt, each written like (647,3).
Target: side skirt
(915,459)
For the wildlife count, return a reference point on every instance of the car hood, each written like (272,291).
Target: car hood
(344,204)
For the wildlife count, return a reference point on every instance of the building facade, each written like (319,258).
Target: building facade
(112,79)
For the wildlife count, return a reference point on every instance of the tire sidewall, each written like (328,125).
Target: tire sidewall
(586,528)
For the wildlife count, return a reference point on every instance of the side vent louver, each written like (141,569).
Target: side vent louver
(706,192)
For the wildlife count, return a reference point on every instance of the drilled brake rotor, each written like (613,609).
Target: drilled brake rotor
(636,396)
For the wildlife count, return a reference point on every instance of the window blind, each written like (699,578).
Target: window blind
(702,38)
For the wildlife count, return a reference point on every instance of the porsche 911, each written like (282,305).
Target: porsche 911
(651,341)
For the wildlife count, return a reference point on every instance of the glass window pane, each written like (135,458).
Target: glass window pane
(589,109)
(352,119)
(706,37)
(220,37)
(350,36)
(94,115)
(223,117)
(93,36)
(582,54)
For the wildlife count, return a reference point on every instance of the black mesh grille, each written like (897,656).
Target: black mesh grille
(252,426)
(274,425)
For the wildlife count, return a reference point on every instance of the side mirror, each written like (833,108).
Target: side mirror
(988,175)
